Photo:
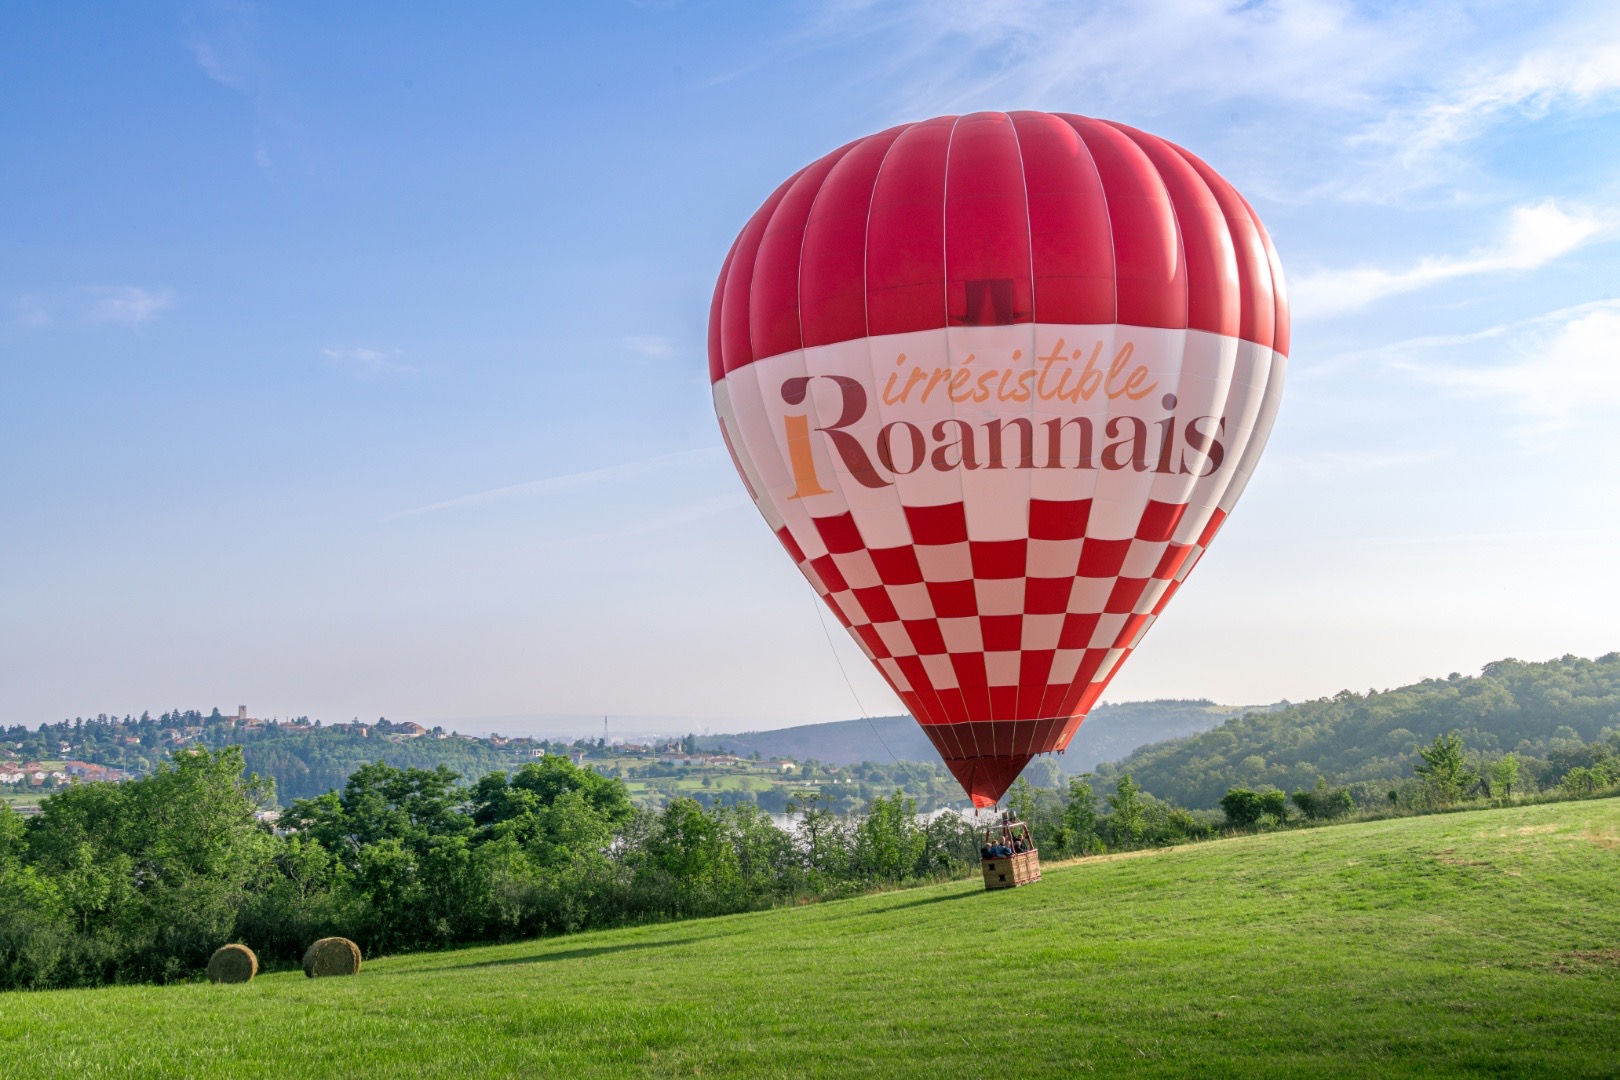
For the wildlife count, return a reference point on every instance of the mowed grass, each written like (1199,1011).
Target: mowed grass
(1485,942)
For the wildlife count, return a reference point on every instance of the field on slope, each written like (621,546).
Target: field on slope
(1465,943)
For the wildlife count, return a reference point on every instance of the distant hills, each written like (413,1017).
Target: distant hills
(1552,715)
(1109,733)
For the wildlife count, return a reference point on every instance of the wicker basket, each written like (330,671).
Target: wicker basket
(1011,871)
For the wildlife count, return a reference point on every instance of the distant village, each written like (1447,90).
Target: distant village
(34,763)
(36,775)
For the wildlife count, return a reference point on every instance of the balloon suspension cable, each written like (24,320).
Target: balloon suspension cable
(826,633)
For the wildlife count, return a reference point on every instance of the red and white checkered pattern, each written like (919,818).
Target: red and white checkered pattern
(1028,631)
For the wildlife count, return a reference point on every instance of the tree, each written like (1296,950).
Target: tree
(1580,780)
(153,871)
(32,923)
(1444,770)
(697,867)
(818,832)
(1242,807)
(1079,821)
(1125,818)
(1504,774)
(888,844)
(1021,800)
(1323,804)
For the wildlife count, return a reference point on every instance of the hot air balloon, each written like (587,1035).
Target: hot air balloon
(995,381)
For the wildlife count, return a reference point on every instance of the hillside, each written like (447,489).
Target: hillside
(1548,714)
(304,758)
(1401,947)
(1109,733)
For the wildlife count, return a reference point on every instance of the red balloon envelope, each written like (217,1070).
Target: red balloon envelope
(995,381)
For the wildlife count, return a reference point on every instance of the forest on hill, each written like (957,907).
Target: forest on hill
(856,759)
(302,757)
(1551,716)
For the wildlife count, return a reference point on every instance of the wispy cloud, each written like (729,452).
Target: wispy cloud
(1143,54)
(127,304)
(1567,64)
(1559,370)
(1560,374)
(1341,463)
(366,362)
(1535,236)
(210,56)
(1580,70)
(222,42)
(568,482)
(1301,100)
(30,310)
(123,305)
(652,346)
(671,519)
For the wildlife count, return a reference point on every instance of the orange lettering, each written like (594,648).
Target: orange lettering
(939,376)
(1135,380)
(1091,377)
(1121,358)
(801,459)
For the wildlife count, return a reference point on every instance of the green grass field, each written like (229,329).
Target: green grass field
(1485,942)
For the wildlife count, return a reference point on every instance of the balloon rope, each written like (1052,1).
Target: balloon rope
(822,616)
(826,633)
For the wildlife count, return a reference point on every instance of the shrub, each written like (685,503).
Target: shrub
(1242,807)
(1323,804)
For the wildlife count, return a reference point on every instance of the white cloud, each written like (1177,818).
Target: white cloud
(214,66)
(31,311)
(1422,139)
(652,346)
(670,520)
(1562,369)
(1561,375)
(127,304)
(221,43)
(1536,235)
(1340,463)
(1137,55)
(1582,70)
(1297,99)
(577,481)
(367,362)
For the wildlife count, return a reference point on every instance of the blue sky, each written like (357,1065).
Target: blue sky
(351,360)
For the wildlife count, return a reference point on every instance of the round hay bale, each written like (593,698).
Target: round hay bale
(232,964)
(332,956)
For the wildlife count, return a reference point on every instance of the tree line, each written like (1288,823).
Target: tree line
(1550,717)
(141,881)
